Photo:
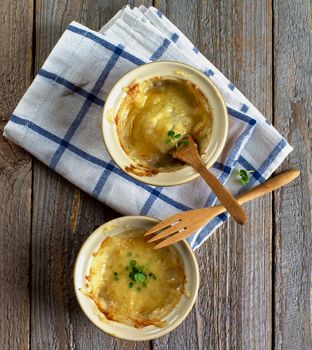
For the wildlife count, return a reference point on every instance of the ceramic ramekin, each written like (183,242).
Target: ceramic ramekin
(83,263)
(166,69)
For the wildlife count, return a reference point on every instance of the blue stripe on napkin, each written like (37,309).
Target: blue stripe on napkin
(104,43)
(85,107)
(94,160)
(74,88)
(161,50)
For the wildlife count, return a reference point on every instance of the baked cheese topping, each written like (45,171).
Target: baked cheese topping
(152,108)
(134,284)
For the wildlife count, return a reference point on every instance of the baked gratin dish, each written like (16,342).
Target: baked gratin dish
(133,284)
(155,118)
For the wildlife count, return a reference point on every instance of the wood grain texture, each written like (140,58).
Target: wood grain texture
(64,216)
(52,18)
(293,117)
(57,320)
(233,310)
(15,177)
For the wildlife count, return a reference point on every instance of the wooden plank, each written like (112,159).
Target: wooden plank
(233,309)
(292,204)
(63,216)
(15,177)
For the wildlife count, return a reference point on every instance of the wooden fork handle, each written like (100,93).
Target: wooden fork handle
(224,196)
(269,186)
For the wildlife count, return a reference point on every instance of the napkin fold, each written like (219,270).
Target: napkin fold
(58,119)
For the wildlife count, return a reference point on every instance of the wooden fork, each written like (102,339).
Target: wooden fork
(182,225)
(189,155)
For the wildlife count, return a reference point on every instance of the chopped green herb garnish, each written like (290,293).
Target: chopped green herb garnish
(173,139)
(131,275)
(115,273)
(140,277)
(185,142)
(245,176)
(129,254)
(139,289)
(137,274)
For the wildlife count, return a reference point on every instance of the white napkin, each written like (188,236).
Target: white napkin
(58,119)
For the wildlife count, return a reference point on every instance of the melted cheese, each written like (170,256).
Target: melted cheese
(155,297)
(154,107)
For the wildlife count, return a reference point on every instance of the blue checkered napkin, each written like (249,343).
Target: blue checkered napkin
(58,119)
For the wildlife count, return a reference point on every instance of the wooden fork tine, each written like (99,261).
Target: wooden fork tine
(163,224)
(200,217)
(175,238)
(168,231)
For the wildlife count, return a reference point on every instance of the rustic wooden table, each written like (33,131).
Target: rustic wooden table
(255,288)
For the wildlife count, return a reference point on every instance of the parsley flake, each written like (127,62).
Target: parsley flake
(245,176)
(173,139)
